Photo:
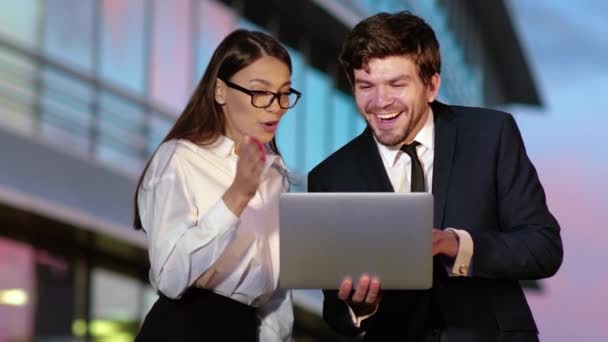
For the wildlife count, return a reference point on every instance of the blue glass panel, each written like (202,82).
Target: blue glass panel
(18,91)
(172,67)
(248,25)
(215,21)
(360,125)
(122,123)
(460,85)
(159,126)
(66,111)
(317,107)
(288,134)
(19,21)
(122,43)
(69,32)
(344,116)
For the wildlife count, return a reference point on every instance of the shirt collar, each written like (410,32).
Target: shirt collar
(426,138)
(222,146)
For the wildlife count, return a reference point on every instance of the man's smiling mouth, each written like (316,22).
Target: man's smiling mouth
(388,116)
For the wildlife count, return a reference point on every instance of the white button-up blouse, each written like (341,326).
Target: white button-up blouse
(194,238)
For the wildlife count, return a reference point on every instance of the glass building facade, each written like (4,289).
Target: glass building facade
(132,65)
(105,79)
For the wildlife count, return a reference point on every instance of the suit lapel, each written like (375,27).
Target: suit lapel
(374,174)
(370,164)
(445,143)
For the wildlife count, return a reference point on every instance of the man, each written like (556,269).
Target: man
(493,227)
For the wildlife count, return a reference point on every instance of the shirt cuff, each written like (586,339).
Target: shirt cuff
(219,218)
(462,263)
(357,320)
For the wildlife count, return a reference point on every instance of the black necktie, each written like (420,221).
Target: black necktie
(417,185)
(417,178)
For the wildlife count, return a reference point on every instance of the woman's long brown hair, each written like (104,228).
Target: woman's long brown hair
(203,120)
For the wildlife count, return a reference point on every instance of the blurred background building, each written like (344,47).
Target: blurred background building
(88,88)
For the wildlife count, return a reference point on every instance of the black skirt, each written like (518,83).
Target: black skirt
(199,315)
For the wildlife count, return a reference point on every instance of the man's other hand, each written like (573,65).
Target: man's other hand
(445,242)
(366,297)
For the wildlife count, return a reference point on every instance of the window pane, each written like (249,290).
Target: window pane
(19,21)
(159,126)
(249,25)
(215,21)
(121,136)
(289,132)
(36,294)
(318,90)
(359,124)
(171,64)
(149,297)
(66,111)
(17,91)
(69,32)
(16,291)
(115,306)
(122,43)
(344,117)
(55,297)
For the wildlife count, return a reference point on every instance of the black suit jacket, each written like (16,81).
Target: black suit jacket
(483,183)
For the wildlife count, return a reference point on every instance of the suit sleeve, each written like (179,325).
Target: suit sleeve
(527,244)
(335,311)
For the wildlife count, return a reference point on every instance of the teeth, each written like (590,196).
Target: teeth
(387,115)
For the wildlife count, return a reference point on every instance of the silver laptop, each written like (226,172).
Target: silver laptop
(325,237)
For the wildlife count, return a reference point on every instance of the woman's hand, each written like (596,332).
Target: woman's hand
(249,169)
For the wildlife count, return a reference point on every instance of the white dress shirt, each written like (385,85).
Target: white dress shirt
(193,237)
(398,166)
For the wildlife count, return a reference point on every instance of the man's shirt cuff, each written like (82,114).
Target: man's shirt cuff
(462,262)
(358,320)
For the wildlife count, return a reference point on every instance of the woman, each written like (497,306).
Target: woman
(208,202)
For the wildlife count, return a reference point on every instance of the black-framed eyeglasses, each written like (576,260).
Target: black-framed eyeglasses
(264,98)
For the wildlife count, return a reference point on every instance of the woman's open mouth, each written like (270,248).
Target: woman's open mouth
(270,126)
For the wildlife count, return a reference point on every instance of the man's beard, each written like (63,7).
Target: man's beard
(390,140)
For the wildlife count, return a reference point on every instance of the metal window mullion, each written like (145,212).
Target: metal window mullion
(94,131)
(38,82)
(146,129)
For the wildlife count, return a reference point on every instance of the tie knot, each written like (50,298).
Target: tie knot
(410,149)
